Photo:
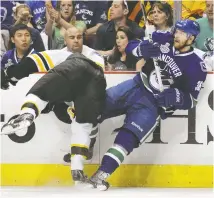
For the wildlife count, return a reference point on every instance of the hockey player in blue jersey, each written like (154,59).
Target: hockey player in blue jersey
(142,102)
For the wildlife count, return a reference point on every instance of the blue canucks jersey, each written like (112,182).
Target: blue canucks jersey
(91,12)
(183,71)
(10,58)
(38,10)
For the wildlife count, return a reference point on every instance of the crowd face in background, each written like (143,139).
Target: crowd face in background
(121,41)
(66,9)
(117,10)
(159,17)
(74,39)
(22,40)
(209,9)
(23,13)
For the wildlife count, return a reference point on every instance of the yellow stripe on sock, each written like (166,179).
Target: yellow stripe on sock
(29,107)
(79,145)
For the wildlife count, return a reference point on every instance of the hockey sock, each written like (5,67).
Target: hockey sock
(80,141)
(124,144)
(33,104)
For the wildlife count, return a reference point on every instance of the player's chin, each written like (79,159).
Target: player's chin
(176,45)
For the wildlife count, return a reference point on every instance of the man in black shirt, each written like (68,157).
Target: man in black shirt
(106,33)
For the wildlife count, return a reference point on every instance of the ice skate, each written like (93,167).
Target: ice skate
(16,124)
(79,177)
(98,181)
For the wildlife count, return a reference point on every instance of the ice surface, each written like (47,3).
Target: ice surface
(80,192)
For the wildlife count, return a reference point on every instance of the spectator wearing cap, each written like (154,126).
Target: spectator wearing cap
(106,34)
(22,15)
(21,37)
(204,40)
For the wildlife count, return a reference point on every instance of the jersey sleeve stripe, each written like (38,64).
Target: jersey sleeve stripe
(99,64)
(48,59)
(44,61)
(39,63)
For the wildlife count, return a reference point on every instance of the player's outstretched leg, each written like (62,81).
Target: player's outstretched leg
(30,109)
(124,144)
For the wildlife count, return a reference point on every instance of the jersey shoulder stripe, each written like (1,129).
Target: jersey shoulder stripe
(47,60)
(38,62)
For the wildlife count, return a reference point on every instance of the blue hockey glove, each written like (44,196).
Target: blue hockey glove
(148,50)
(170,98)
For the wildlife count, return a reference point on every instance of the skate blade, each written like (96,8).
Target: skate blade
(102,187)
(9,129)
(98,187)
(81,185)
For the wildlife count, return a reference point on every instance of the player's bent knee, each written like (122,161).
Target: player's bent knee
(127,140)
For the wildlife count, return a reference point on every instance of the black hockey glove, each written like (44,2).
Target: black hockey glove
(4,80)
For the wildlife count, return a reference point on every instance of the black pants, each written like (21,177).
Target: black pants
(82,83)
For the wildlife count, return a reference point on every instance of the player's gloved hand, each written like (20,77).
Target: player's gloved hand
(147,49)
(4,80)
(170,98)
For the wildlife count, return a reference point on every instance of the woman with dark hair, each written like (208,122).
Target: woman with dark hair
(119,60)
(162,16)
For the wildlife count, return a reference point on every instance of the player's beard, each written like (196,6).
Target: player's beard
(181,46)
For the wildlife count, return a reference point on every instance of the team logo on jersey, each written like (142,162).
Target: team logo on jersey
(203,66)
(209,44)
(167,80)
(165,48)
(9,63)
(199,85)
(103,16)
(83,17)
(3,12)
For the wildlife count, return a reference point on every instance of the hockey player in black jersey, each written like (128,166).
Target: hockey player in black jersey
(79,78)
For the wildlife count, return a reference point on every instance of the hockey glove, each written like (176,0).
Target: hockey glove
(170,98)
(4,80)
(148,50)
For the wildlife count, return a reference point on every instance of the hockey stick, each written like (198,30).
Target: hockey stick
(148,33)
